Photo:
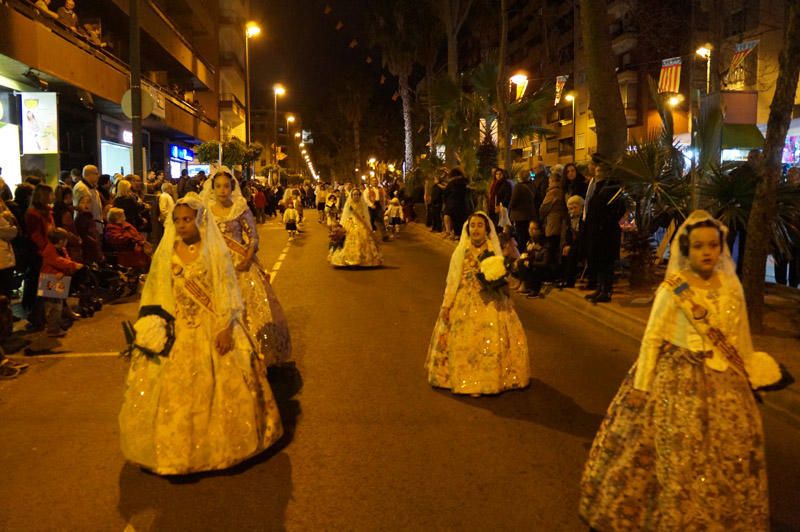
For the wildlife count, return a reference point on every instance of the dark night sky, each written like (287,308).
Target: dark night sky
(301,48)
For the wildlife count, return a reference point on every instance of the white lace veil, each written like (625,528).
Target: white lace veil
(361,208)
(209,198)
(214,253)
(457,259)
(678,262)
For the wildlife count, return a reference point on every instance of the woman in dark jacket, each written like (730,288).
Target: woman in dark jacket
(128,201)
(38,221)
(437,199)
(576,183)
(456,200)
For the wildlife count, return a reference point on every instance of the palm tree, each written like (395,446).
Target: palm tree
(453,14)
(605,101)
(397,29)
(762,215)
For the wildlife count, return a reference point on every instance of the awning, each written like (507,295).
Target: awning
(741,136)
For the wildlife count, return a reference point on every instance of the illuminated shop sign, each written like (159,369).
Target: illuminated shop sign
(39,122)
(180,153)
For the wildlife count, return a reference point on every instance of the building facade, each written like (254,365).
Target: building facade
(63,81)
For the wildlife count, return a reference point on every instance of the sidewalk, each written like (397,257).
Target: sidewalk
(628,312)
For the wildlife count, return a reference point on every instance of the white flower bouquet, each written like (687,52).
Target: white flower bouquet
(493,274)
(152,335)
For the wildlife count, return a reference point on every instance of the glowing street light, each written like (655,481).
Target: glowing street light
(278,90)
(520,79)
(570,97)
(705,53)
(675,100)
(251,30)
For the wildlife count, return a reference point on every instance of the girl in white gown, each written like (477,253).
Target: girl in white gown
(263,314)
(360,247)
(478,345)
(682,447)
(206,405)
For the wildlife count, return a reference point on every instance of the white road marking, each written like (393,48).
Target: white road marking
(74,355)
(277,266)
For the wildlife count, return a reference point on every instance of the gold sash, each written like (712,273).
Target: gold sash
(703,321)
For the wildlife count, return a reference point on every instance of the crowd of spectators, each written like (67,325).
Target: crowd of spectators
(556,225)
(87,227)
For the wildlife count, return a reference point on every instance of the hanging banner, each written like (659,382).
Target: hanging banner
(561,81)
(670,79)
(740,53)
(521,87)
(39,122)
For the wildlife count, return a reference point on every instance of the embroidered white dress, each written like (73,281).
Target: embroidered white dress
(263,313)
(197,410)
(682,447)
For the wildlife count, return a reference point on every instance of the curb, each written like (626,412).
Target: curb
(785,403)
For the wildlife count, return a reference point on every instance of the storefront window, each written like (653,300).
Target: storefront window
(115,158)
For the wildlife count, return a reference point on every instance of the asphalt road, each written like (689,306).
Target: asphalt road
(369,445)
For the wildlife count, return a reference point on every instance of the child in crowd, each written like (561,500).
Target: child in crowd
(510,253)
(86,229)
(332,210)
(503,221)
(56,260)
(532,264)
(290,219)
(394,216)
(260,203)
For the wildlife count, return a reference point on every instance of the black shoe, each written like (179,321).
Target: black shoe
(594,295)
(533,294)
(603,298)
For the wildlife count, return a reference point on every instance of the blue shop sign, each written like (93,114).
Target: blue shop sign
(181,153)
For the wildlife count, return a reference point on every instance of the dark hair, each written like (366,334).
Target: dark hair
(456,172)
(56,235)
(229,176)
(41,197)
(683,240)
(23,194)
(481,216)
(62,191)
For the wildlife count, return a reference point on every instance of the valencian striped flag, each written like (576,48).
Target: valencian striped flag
(670,80)
(741,51)
(560,82)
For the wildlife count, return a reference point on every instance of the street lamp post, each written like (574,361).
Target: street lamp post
(251,29)
(289,120)
(571,98)
(278,90)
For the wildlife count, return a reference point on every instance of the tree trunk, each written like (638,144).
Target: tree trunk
(762,213)
(405,96)
(605,100)
(357,147)
(503,129)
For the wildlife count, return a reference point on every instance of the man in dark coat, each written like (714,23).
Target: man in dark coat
(601,231)
(456,200)
(523,208)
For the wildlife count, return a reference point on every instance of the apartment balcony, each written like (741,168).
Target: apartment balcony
(632,115)
(628,76)
(231,110)
(233,61)
(619,8)
(163,40)
(68,62)
(625,41)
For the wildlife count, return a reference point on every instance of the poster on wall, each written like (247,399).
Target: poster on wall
(39,122)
